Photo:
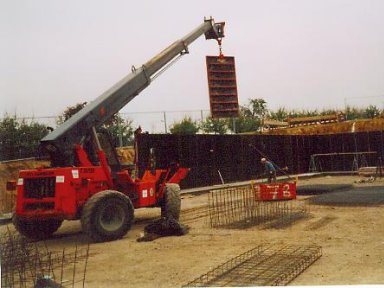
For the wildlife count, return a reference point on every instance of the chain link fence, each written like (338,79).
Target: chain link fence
(15,146)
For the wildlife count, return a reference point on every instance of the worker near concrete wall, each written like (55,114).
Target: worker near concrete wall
(270,170)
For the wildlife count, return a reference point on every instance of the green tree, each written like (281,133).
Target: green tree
(280,115)
(371,112)
(329,112)
(120,129)
(257,108)
(69,112)
(186,126)
(303,113)
(244,124)
(214,125)
(250,117)
(354,113)
(19,139)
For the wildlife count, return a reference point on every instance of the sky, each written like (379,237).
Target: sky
(296,54)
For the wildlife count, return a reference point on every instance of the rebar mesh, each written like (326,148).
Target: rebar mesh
(261,266)
(238,207)
(24,262)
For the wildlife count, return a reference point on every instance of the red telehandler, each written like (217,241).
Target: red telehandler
(85,180)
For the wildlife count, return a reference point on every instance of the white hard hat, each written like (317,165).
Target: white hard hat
(263,159)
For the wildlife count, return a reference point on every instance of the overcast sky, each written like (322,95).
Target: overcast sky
(297,54)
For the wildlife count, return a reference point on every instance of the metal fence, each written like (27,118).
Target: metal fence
(150,122)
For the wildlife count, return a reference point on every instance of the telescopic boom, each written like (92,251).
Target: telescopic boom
(60,142)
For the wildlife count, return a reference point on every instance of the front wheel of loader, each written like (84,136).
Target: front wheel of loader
(171,204)
(36,229)
(107,216)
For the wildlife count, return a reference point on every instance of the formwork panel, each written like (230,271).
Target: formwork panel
(222,86)
(265,265)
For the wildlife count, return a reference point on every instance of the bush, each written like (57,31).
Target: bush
(19,139)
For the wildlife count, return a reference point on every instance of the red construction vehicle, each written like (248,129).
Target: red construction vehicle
(85,180)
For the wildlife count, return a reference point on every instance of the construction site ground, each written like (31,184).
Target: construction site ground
(350,234)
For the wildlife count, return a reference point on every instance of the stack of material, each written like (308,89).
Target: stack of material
(353,126)
(322,119)
(9,170)
(126,154)
(371,171)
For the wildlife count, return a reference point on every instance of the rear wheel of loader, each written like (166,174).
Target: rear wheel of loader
(107,216)
(171,204)
(36,229)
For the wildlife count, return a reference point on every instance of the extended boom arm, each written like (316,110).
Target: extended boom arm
(60,143)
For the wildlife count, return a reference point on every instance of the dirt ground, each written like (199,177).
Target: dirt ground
(351,238)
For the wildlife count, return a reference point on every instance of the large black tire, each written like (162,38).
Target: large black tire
(107,216)
(170,208)
(36,229)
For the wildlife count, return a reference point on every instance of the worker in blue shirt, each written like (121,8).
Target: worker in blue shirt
(270,170)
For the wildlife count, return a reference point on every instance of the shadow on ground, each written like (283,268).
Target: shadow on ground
(360,196)
(315,189)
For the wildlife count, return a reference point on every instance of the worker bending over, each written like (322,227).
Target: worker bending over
(270,170)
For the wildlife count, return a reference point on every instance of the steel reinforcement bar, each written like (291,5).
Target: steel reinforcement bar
(261,266)
(23,263)
(238,207)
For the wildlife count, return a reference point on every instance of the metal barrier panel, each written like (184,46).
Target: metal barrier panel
(236,160)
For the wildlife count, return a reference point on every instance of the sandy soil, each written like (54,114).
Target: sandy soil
(9,171)
(351,239)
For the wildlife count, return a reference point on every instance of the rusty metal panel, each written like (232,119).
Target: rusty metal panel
(222,86)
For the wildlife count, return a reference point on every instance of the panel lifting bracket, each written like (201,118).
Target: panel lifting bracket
(221,55)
